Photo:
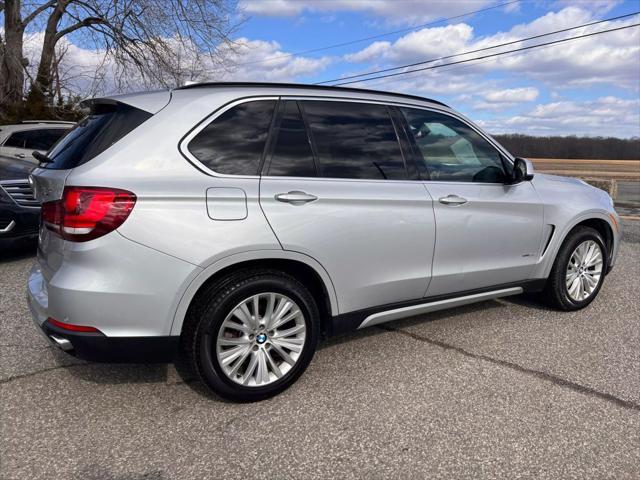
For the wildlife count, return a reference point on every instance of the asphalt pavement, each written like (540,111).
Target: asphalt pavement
(501,389)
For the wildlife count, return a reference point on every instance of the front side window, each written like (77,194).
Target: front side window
(451,150)
(233,143)
(354,140)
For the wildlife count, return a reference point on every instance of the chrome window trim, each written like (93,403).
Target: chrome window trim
(338,179)
(434,108)
(182,146)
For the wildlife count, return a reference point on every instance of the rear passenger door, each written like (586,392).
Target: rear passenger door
(335,186)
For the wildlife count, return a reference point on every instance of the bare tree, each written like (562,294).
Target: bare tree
(11,61)
(162,41)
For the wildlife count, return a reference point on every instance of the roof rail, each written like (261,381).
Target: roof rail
(307,86)
(46,121)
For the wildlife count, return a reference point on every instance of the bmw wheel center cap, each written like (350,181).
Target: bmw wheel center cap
(261,338)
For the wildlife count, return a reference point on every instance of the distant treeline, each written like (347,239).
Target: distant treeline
(598,148)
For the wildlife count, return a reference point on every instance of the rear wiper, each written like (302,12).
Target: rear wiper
(41,157)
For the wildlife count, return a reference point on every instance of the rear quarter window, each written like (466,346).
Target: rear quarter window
(233,143)
(106,125)
(17,139)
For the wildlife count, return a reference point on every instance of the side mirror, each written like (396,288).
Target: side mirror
(522,170)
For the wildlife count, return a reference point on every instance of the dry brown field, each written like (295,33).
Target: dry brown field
(627,170)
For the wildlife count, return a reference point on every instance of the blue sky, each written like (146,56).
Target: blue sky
(589,86)
(584,87)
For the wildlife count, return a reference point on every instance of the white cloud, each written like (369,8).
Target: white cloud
(258,60)
(502,99)
(596,6)
(605,116)
(405,11)
(375,51)
(431,43)
(512,95)
(609,58)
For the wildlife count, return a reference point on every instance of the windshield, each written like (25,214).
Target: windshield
(92,135)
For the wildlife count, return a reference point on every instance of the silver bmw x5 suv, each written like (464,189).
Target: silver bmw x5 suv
(237,224)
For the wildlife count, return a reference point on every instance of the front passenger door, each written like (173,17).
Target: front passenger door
(488,233)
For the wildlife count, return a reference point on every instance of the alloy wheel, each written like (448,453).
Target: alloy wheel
(584,270)
(261,339)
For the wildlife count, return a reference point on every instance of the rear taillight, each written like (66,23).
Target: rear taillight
(85,213)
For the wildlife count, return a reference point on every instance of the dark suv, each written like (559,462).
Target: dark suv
(19,211)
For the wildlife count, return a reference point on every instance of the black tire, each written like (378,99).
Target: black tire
(211,307)
(556,293)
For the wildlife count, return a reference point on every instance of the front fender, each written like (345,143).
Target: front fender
(543,269)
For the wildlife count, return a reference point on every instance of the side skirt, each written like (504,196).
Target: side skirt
(386,313)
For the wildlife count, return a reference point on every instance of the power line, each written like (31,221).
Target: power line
(530,47)
(381,35)
(450,69)
(453,68)
(478,50)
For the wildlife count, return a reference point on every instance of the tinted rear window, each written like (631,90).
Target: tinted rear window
(233,143)
(94,134)
(355,140)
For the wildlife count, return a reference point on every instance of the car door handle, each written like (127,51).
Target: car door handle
(453,200)
(19,155)
(295,197)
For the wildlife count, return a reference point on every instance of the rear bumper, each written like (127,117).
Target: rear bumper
(95,347)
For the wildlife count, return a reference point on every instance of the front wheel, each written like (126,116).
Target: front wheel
(578,271)
(252,335)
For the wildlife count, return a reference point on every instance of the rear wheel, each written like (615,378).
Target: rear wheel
(251,335)
(578,271)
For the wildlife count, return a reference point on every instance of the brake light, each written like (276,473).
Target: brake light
(86,213)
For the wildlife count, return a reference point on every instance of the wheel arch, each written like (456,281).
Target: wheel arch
(599,221)
(302,267)
(603,228)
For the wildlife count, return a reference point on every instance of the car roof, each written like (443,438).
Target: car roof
(154,101)
(319,88)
